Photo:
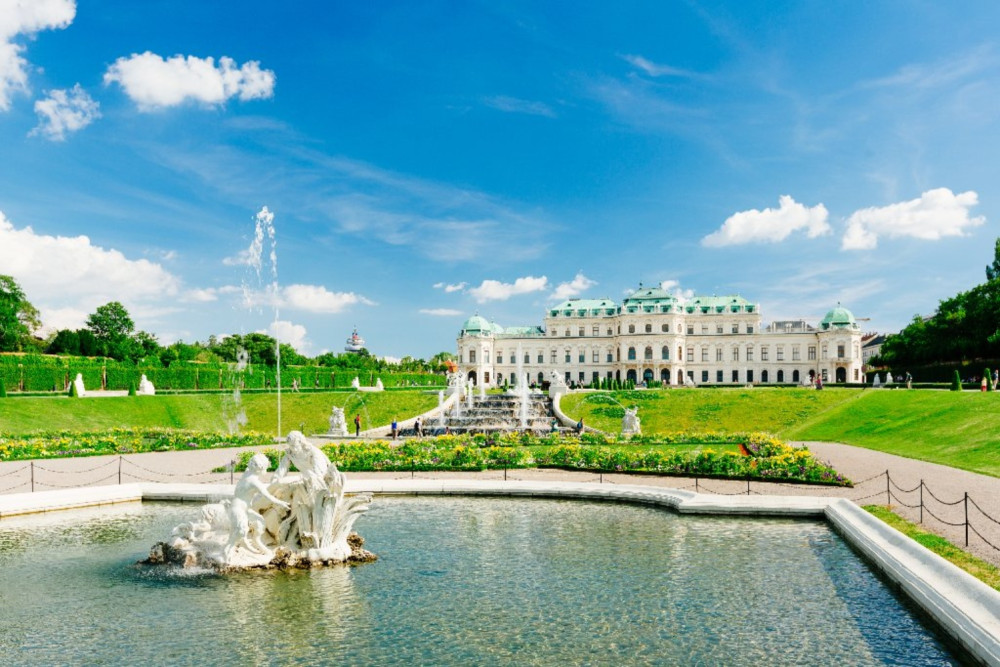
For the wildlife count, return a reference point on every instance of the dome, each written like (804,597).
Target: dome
(477,325)
(839,318)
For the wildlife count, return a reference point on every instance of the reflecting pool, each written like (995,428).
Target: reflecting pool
(462,581)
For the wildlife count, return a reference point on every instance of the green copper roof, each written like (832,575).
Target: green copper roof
(655,295)
(719,304)
(583,307)
(839,318)
(480,325)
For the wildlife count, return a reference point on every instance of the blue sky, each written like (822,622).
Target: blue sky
(427,161)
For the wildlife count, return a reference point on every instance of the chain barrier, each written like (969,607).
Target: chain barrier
(983,512)
(76,486)
(67,472)
(14,472)
(957,502)
(973,529)
(947,523)
(10,488)
(902,490)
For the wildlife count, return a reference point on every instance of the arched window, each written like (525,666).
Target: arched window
(795,376)
(763,376)
(631,328)
(631,354)
(781,376)
(665,353)
(648,354)
(649,328)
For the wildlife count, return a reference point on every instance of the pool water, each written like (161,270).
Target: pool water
(462,581)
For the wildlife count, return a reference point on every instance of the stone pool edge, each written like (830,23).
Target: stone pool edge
(964,607)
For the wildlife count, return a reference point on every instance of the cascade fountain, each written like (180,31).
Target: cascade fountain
(442,419)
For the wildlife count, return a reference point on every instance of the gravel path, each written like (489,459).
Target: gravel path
(866,467)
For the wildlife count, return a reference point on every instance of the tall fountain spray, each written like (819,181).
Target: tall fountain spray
(264,235)
(521,390)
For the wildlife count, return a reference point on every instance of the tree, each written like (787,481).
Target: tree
(18,318)
(993,270)
(112,327)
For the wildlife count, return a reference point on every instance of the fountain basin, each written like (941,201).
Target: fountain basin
(966,609)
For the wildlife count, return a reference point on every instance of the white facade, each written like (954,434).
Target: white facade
(652,337)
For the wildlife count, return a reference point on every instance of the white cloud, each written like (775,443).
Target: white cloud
(515,105)
(206,295)
(575,287)
(440,312)
(770,225)
(457,287)
(934,215)
(318,299)
(153,82)
(21,18)
(65,111)
(654,69)
(293,334)
(494,290)
(674,286)
(56,271)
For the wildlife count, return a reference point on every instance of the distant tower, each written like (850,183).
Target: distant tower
(355,343)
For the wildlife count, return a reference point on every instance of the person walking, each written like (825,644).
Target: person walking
(357,426)
(417,429)
(395,428)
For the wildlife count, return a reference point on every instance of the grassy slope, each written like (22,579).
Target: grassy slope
(208,412)
(728,410)
(957,429)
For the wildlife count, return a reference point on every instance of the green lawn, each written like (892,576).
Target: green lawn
(957,429)
(764,409)
(209,412)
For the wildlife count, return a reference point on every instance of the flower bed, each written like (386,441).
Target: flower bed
(767,458)
(61,444)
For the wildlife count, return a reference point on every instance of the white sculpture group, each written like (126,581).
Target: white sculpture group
(146,387)
(338,422)
(630,422)
(291,521)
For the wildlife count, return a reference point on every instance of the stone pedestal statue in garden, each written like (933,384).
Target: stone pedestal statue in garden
(78,385)
(378,385)
(146,387)
(338,422)
(356,383)
(295,520)
(630,422)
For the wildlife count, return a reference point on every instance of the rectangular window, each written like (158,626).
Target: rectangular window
(609,331)
(527,357)
(763,354)
(581,377)
(736,328)
(812,353)
(824,353)
(690,329)
(582,357)
(568,377)
(796,356)
(840,351)
(596,356)
(781,353)
(595,376)
(691,376)
(704,376)
(610,358)
(749,354)
(750,376)
(690,354)
(704,328)
(552,357)
(718,354)
(718,329)
(718,376)
(749,329)
(541,357)
(596,330)
(582,334)
(826,378)
(736,354)
(567,356)
(499,357)
(704,354)
(472,356)
(736,376)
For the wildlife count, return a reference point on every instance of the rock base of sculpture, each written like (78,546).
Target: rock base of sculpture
(184,554)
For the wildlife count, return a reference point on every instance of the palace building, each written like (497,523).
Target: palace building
(651,336)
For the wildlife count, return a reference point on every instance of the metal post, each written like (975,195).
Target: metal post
(921,501)
(888,493)
(966,518)
(119,470)
(696,485)
(32,476)
(600,478)
(505,473)
(232,471)
(748,486)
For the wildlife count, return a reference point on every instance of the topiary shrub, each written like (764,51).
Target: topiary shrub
(72,390)
(131,388)
(956,383)
(3,391)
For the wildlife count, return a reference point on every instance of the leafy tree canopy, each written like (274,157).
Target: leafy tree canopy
(18,318)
